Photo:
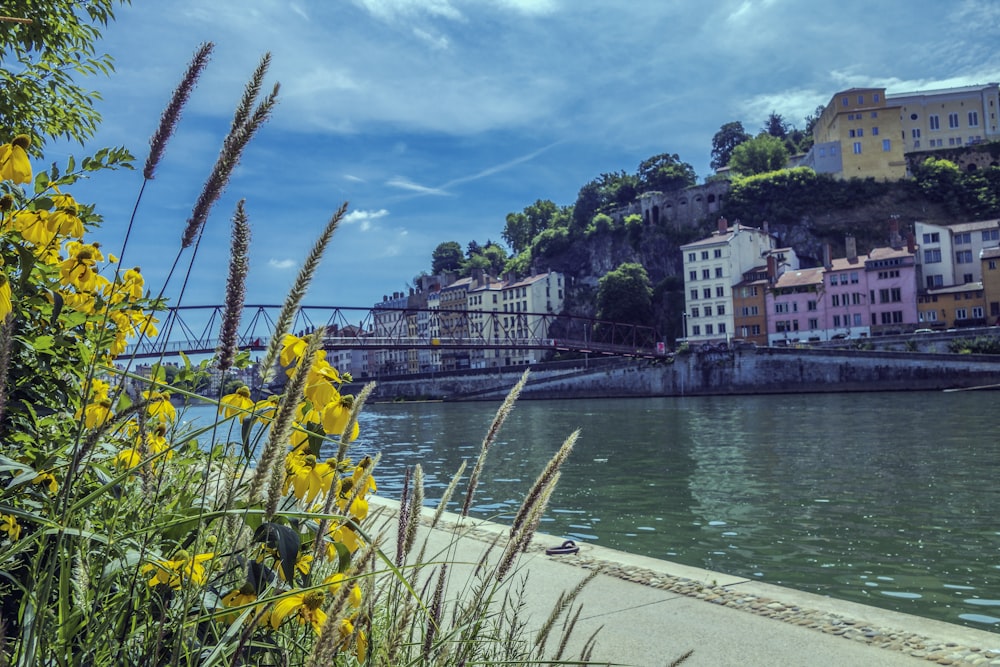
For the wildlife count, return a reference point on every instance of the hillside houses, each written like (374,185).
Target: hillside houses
(737,275)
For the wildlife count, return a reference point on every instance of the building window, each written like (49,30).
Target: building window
(935,121)
(886,145)
(811,305)
(835,300)
(851,133)
(718,272)
(977,311)
(973,119)
(692,275)
(861,132)
(696,330)
(857,147)
(991,234)
(708,330)
(967,278)
(695,312)
(963,239)
(953,120)
(961,314)
(692,256)
(704,254)
(861,99)
(718,253)
(781,307)
(854,277)
(720,309)
(934,237)
(963,257)
(706,274)
(694,295)
(836,320)
(720,291)
(844,101)
(935,281)
(915,133)
(813,323)
(706,293)
(875,131)
(708,311)
(874,99)
(932,256)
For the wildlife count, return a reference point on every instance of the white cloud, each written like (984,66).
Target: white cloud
(365,218)
(281,264)
(406,184)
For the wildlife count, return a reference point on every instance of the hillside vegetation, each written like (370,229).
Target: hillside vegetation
(805,210)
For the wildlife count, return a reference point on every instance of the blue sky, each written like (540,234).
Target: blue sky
(436,118)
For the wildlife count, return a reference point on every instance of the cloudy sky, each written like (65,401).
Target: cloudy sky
(436,118)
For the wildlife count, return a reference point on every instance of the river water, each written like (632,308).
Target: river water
(888,499)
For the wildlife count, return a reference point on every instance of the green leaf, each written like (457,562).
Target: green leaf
(285,541)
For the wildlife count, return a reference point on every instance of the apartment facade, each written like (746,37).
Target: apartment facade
(524,305)
(950,255)
(711,267)
(865,132)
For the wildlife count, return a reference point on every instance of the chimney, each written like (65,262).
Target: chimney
(895,240)
(766,227)
(851,244)
(911,243)
(772,268)
(827,256)
(723,226)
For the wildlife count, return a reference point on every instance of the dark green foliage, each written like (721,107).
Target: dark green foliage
(40,60)
(624,295)
(978,345)
(762,154)
(665,173)
(446,257)
(522,227)
(725,141)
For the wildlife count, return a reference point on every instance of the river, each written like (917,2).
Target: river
(888,499)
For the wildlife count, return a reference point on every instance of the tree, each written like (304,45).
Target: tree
(725,141)
(776,126)
(760,155)
(446,257)
(666,173)
(524,226)
(38,63)
(602,194)
(813,118)
(625,295)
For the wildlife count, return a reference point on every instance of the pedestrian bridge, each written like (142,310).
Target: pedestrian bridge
(194,330)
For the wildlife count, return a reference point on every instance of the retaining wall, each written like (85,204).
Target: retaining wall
(744,370)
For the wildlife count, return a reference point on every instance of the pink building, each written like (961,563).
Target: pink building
(850,297)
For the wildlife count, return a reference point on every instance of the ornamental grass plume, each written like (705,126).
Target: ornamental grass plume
(236,288)
(294,299)
(172,114)
(502,413)
(245,126)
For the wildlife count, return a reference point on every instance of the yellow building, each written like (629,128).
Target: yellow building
(948,117)
(859,135)
(990,258)
(952,307)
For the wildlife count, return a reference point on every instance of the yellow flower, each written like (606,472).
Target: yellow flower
(5,303)
(48,479)
(306,607)
(66,218)
(307,478)
(14,163)
(292,349)
(354,599)
(303,563)
(128,458)
(9,525)
(337,414)
(96,413)
(183,568)
(238,597)
(78,270)
(334,582)
(263,410)
(361,647)
(34,226)
(345,536)
(160,408)
(236,403)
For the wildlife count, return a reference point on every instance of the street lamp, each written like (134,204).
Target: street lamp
(685,315)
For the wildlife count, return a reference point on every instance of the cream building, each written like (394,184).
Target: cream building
(950,255)
(711,267)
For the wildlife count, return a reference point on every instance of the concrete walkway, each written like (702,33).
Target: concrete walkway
(651,612)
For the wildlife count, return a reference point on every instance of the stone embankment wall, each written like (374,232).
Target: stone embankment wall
(714,371)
